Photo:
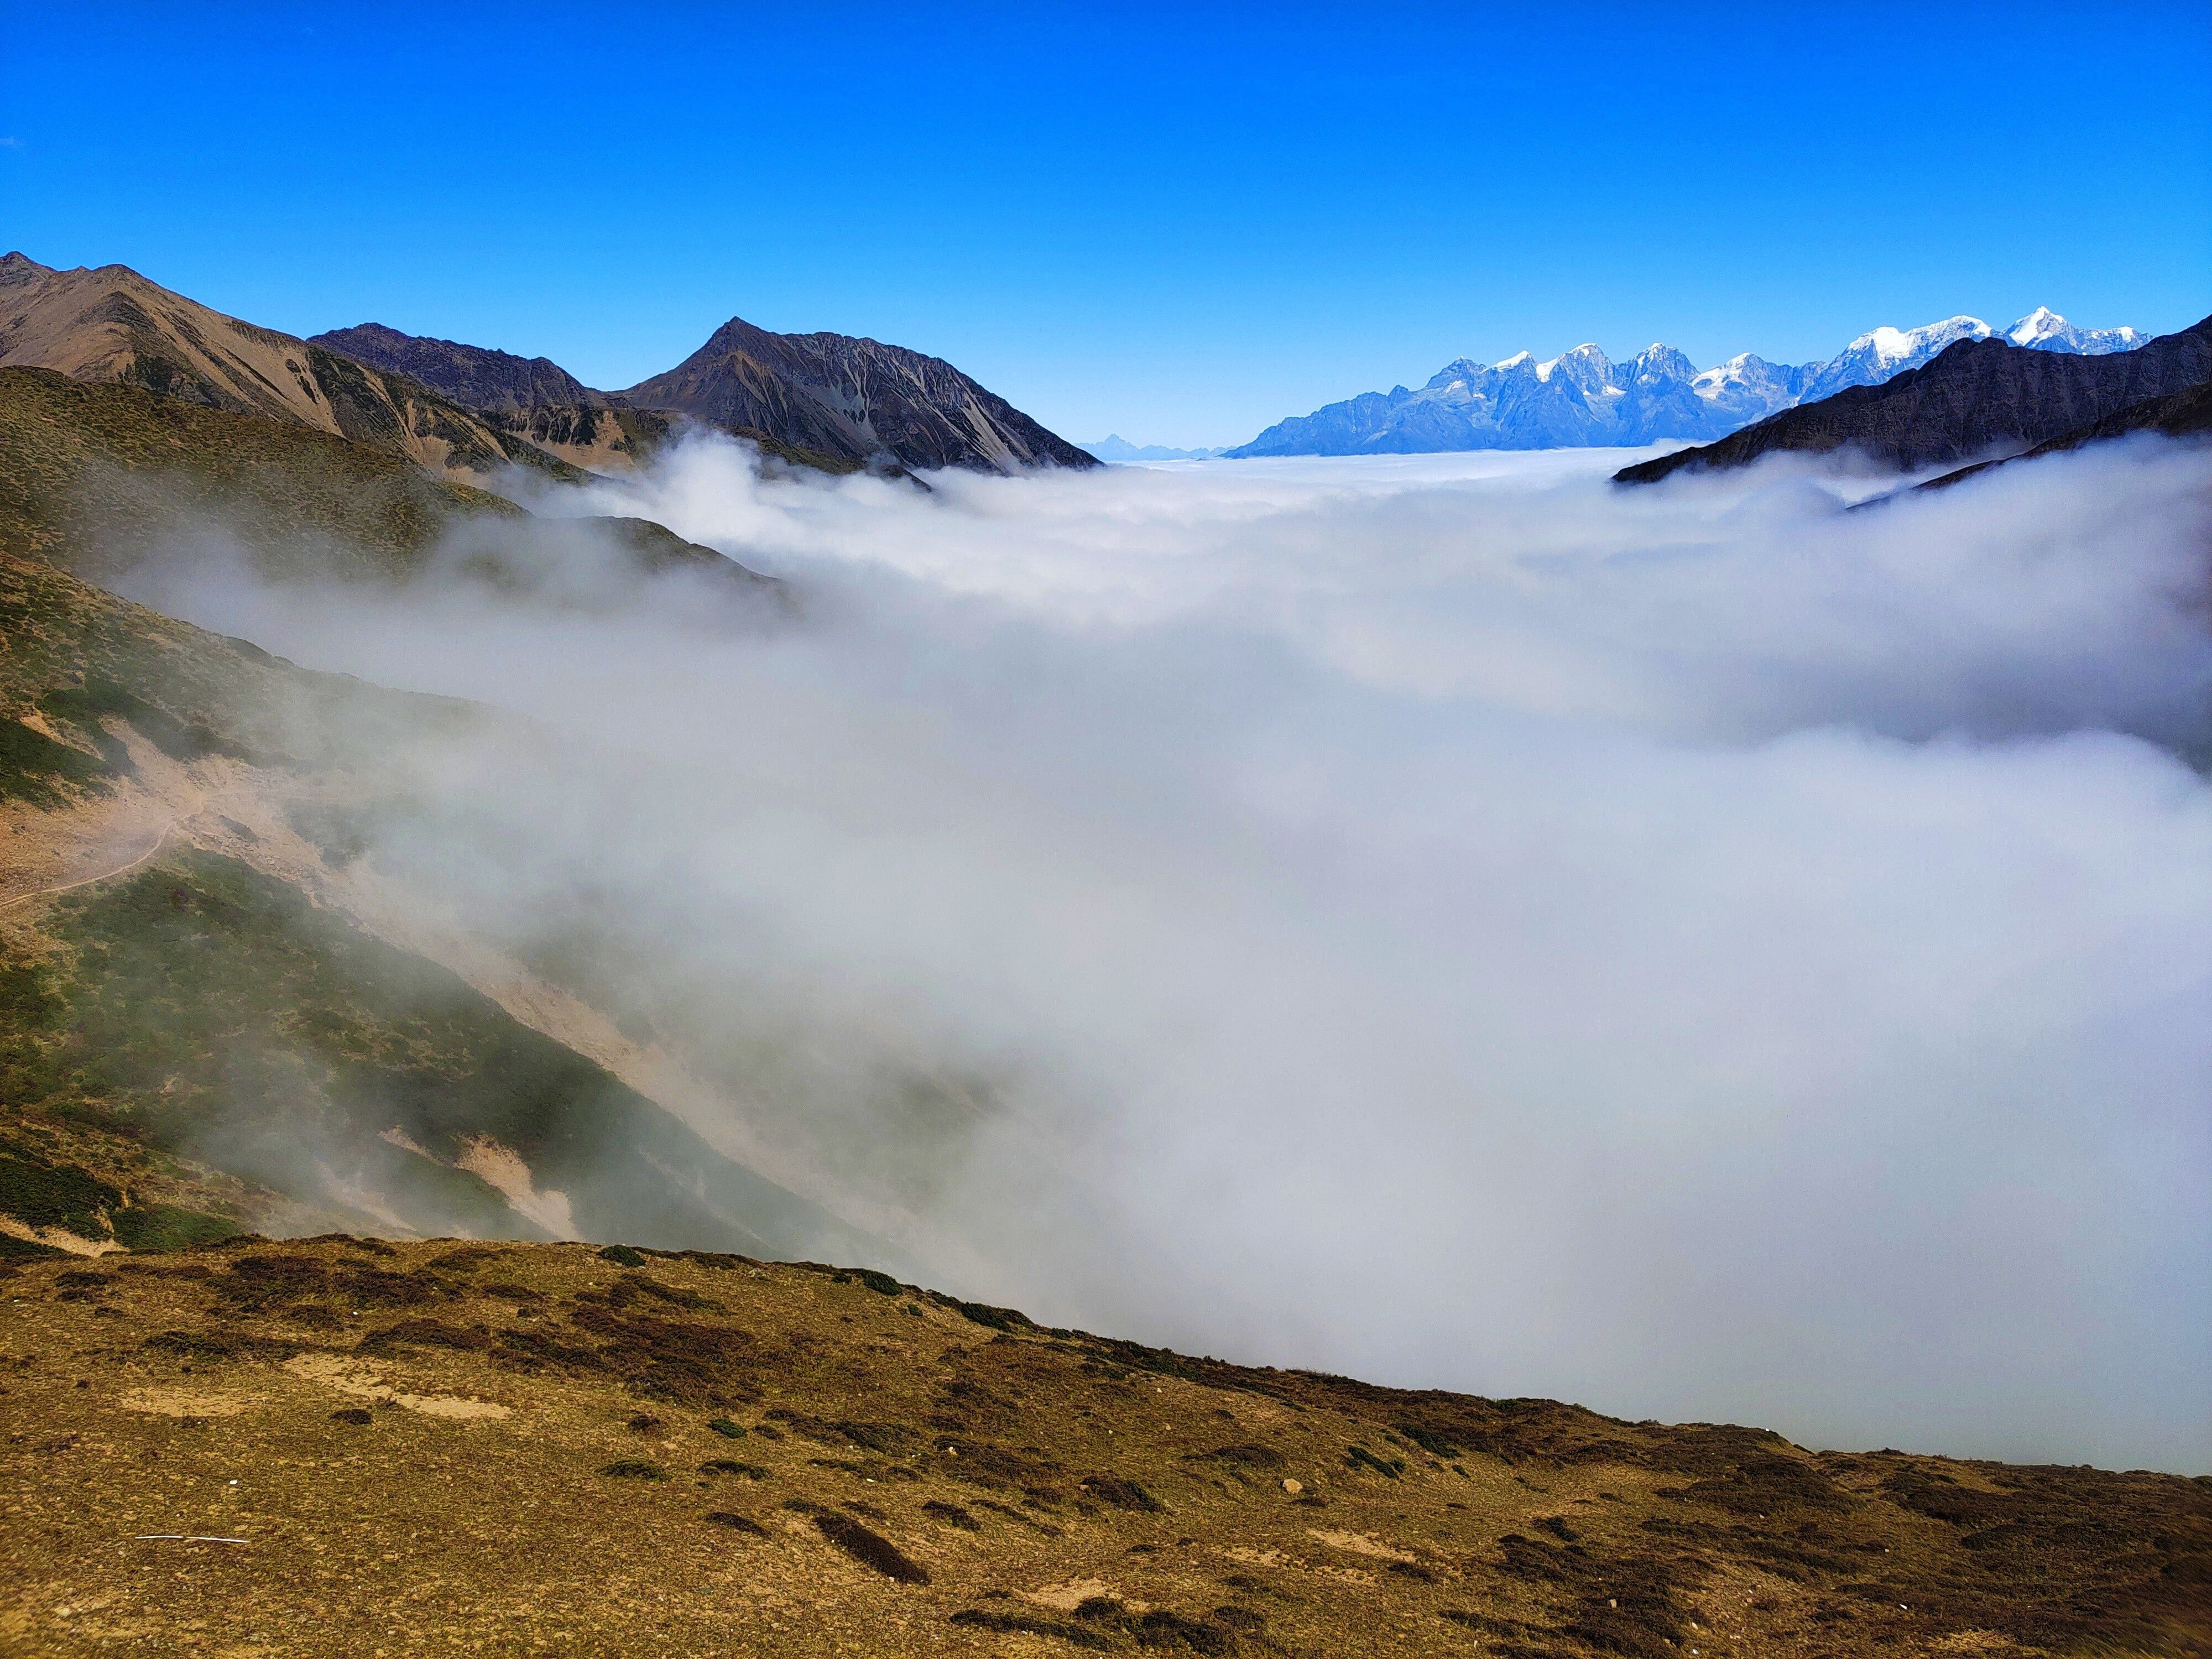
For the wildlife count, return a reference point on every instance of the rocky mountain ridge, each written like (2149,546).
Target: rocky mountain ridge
(826,400)
(1583,398)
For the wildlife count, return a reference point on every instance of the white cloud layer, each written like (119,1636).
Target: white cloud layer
(1694,951)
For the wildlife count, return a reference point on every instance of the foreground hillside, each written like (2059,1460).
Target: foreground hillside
(337,1445)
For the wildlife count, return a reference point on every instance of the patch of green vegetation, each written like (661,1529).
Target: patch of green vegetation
(1359,1457)
(997,1319)
(168,1227)
(635,1468)
(731,1466)
(727,1429)
(214,1010)
(621,1255)
(179,737)
(869,1547)
(1429,1441)
(881,1284)
(40,1194)
(13,1248)
(36,769)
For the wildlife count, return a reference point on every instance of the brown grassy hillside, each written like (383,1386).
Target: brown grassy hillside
(342,1446)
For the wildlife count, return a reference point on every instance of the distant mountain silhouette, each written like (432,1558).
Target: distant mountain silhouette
(1975,397)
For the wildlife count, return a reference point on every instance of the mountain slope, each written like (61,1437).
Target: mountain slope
(1581,397)
(477,376)
(2186,414)
(1976,396)
(856,398)
(534,400)
(623,1452)
(193,1015)
(113,325)
(98,478)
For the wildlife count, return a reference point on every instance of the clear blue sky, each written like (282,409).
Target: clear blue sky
(1179,223)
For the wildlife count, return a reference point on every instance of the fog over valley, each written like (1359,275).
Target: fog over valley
(1699,950)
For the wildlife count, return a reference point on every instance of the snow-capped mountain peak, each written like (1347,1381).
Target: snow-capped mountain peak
(2045,329)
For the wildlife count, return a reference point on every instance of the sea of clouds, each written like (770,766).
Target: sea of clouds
(1698,951)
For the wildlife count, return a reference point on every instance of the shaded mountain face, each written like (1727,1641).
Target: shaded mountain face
(1976,396)
(531,400)
(112,323)
(2186,414)
(854,398)
(1581,397)
(477,376)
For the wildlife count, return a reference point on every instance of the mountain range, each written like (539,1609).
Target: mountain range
(1582,397)
(1975,397)
(827,401)
(1117,450)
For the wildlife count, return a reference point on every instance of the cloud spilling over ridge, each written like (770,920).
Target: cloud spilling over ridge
(1696,951)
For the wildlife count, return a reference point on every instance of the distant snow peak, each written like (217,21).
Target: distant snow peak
(2045,329)
(1581,397)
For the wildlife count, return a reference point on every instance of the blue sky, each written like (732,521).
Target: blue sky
(1179,223)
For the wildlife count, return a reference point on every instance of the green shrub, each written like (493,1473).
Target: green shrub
(168,1227)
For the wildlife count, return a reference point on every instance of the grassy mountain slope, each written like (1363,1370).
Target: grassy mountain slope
(511,1446)
(97,477)
(111,325)
(187,1018)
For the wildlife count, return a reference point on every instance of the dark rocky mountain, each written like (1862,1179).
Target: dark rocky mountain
(478,376)
(1976,397)
(2177,414)
(856,398)
(823,400)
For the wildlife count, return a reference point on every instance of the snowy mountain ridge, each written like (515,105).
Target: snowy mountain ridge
(1582,397)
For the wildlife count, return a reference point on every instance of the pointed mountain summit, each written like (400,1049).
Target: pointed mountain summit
(856,398)
(2045,329)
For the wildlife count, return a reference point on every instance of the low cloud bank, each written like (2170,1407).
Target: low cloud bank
(1692,951)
